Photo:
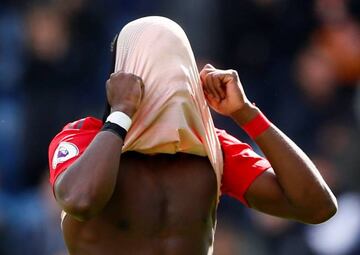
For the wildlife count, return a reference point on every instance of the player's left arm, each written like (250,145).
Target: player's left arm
(293,187)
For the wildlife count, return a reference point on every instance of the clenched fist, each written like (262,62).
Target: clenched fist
(223,90)
(124,92)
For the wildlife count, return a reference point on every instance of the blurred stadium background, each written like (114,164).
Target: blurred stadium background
(299,60)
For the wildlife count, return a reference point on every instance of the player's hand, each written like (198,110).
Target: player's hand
(124,92)
(223,90)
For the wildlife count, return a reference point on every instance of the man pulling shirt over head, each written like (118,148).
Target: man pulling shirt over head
(147,179)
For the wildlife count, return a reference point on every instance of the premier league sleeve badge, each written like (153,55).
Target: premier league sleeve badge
(64,152)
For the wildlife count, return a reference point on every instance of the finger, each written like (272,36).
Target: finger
(207,97)
(206,69)
(211,87)
(117,73)
(208,86)
(203,74)
(218,86)
(138,79)
(228,76)
(210,99)
(209,66)
(204,88)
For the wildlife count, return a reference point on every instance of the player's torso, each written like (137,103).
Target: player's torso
(162,204)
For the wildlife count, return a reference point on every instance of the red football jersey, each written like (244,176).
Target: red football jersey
(241,164)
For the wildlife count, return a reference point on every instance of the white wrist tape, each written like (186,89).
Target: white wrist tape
(121,119)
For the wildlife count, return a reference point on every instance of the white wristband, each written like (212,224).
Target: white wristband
(121,119)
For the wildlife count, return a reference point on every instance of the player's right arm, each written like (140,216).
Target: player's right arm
(292,186)
(85,187)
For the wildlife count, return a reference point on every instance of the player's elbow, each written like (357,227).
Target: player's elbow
(322,213)
(80,205)
(81,208)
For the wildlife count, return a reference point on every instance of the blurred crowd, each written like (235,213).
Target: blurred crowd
(299,61)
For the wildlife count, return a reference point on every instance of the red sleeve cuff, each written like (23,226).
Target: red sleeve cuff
(241,166)
(238,191)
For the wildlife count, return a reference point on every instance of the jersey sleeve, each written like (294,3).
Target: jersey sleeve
(241,166)
(70,143)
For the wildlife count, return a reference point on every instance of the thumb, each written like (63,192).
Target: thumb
(209,66)
(206,69)
(226,76)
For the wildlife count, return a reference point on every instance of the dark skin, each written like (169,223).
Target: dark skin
(165,204)
(152,210)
